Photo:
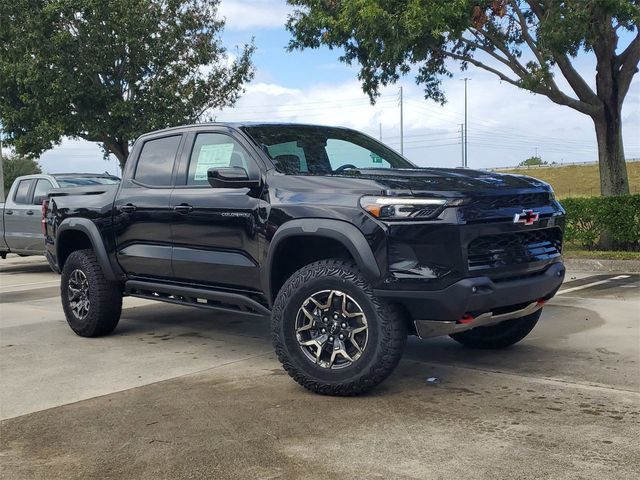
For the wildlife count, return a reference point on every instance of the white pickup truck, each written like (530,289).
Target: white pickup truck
(21,214)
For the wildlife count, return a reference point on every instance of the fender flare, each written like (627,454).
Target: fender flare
(341,231)
(87,227)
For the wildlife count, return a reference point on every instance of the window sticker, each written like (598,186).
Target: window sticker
(212,156)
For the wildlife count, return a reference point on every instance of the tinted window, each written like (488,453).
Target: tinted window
(22,192)
(85,181)
(43,187)
(316,150)
(212,150)
(155,164)
(341,152)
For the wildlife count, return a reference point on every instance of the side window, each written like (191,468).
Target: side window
(43,187)
(215,150)
(155,165)
(22,192)
(341,152)
(288,157)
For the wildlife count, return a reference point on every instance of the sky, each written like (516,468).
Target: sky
(506,125)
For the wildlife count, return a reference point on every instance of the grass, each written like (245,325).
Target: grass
(577,180)
(570,252)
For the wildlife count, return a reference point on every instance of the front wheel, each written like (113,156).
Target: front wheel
(502,335)
(91,303)
(331,334)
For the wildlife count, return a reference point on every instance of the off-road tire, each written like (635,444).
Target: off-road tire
(498,336)
(105,297)
(386,323)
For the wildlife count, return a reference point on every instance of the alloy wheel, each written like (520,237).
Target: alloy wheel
(78,294)
(331,329)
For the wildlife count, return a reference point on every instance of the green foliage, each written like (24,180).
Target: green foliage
(532,161)
(525,43)
(110,71)
(588,219)
(13,166)
(388,38)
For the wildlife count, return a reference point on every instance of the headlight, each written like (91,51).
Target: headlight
(403,208)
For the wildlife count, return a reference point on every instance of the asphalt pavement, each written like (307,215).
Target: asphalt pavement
(178,392)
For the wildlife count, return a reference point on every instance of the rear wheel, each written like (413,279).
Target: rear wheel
(91,303)
(501,335)
(331,334)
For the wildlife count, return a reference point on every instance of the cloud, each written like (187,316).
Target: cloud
(77,156)
(505,124)
(254,14)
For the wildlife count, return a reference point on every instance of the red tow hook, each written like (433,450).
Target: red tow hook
(541,301)
(466,319)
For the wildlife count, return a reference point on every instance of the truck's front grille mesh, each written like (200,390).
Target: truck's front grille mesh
(492,206)
(525,200)
(495,251)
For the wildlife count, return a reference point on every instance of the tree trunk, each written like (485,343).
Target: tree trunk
(613,169)
(121,155)
(119,147)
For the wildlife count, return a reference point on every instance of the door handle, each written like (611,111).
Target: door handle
(128,208)
(183,208)
(29,212)
(8,212)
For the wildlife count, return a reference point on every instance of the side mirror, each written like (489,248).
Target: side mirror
(230,177)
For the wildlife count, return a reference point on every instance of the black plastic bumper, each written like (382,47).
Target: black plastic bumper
(477,295)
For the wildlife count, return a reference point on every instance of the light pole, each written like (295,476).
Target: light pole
(466,130)
(462,144)
(401,125)
(1,168)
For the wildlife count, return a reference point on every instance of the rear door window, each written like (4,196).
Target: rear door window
(43,187)
(155,164)
(22,192)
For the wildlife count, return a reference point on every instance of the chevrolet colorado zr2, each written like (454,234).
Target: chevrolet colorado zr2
(345,244)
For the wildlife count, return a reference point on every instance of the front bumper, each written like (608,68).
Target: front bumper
(484,300)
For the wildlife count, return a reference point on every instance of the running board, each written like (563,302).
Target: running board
(195,297)
(436,328)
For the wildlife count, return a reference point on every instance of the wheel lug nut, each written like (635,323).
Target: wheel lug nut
(341,337)
(335,316)
(343,325)
(331,339)
(325,319)
(324,330)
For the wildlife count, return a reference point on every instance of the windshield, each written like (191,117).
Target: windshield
(67,182)
(315,150)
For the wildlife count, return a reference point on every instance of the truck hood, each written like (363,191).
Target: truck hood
(420,181)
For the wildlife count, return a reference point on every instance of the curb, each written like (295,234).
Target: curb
(599,265)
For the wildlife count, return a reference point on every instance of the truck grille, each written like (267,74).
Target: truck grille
(491,206)
(525,200)
(495,251)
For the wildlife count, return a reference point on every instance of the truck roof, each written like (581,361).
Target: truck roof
(237,125)
(82,175)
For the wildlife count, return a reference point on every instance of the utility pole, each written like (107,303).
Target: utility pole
(401,125)
(1,169)
(466,129)
(380,131)
(462,144)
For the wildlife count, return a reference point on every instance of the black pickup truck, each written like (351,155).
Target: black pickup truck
(345,244)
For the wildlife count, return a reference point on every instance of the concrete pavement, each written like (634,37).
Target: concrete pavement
(187,393)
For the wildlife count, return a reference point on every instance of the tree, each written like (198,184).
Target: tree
(532,161)
(14,165)
(110,71)
(526,43)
